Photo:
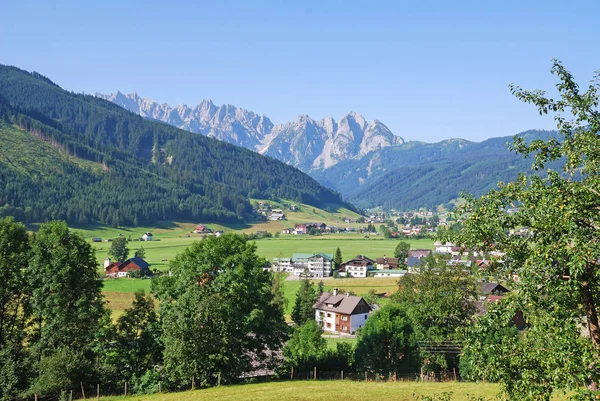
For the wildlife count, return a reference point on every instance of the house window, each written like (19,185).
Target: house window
(329,315)
(366,316)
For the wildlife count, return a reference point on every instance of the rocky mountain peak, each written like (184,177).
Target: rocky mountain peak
(305,143)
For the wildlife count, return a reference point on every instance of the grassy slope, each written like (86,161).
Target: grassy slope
(25,153)
(330,390)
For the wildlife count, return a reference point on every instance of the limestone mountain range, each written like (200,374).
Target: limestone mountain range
(310,145)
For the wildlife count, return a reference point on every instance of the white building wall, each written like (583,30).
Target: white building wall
(326,320)
(358,321)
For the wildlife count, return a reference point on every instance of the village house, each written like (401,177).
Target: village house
(357,267)
(120,269)
(386,263)
(147,237)
(415,256)
(443,248)
(390,273)
(202,229)
(341,313)
(317,265)
(305,228)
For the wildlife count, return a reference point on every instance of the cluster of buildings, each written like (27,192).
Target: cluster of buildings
(316,264)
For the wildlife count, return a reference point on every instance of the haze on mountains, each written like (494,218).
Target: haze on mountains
(364,161)
(82,159)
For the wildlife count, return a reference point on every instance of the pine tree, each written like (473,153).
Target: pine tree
(305,299)
(337,259)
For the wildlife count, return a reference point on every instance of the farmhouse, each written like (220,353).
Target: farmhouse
(357,267)
(202,229)
(120,269)
(147,237)
(415,256)
(341,313)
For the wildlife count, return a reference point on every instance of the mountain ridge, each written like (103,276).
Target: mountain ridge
(304,143)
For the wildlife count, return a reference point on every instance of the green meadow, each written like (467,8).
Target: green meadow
(334,389)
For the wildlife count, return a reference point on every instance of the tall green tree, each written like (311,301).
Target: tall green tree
(557,261)
(66,303)
(118,249)
(66,289)
(439,301)
(14,307)
(305,299)
(401,252)
(14,291)
(337,258)
(306,347)
(387,343)
(218,312)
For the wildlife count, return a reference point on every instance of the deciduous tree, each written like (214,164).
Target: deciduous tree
(557,261)
(118,249)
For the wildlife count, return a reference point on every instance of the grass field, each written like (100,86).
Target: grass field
(171,238)
(330,390)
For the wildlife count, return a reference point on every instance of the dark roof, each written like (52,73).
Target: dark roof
(341,303)
(140,262)
(488,288)
(360,258)
(419,253)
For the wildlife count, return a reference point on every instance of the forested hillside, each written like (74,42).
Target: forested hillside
(418,174)
(79,158)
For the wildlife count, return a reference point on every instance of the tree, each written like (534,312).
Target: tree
(401,252)
(140,253)
(387,343)
(306,348)
(66,289)
(118,249)
(557,262)
(14,292)
(218,312)
(439,301)
(138,339)
(337,258)
(66,302)
(15,308)
(305,299)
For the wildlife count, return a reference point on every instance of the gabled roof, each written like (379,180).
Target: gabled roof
(419,253)
(488,288)
(341,303)
(360,258)
(139,261)
(387,260)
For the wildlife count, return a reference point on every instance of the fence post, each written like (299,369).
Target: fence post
(219,379)
(82,392)
(193,384)
(454,373)
(35,397)
(125,389)
(366,377)
(292,374)
(342,375)
(159,387)
(98,391)
(315,373)
(71,396)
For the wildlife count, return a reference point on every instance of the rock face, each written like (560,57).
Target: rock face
(305,143)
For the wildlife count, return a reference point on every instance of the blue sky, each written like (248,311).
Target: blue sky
(429,70)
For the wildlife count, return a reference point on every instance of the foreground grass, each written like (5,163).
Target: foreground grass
(329,390)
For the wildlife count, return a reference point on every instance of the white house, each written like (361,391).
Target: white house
(443,248)
(357,267)
(147,237)
(317,265)
(341,313)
